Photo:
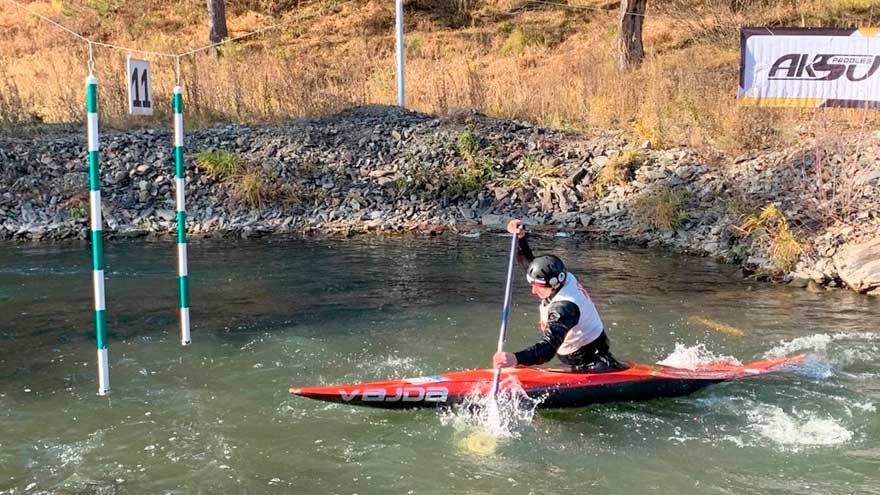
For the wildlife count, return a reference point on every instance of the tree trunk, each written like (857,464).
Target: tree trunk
(630,50)
(217,23)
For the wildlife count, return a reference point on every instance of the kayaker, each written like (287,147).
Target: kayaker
(569,321)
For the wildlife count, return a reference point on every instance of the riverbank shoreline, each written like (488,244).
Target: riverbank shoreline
(807,216)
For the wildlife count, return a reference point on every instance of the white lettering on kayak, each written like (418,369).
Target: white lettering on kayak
(347,397)
(399,394)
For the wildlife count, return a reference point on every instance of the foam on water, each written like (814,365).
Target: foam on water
(814,368)
(796,430)
(817,343)
(694,356)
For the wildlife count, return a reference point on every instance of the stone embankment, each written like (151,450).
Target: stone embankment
(808,216)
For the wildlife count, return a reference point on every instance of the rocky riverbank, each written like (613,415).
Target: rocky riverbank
(808,216)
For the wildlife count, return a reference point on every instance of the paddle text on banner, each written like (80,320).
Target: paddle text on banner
(804,67)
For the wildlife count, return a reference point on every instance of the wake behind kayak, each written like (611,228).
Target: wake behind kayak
(554,388)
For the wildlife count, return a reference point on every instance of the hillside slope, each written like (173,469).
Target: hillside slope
(549,62)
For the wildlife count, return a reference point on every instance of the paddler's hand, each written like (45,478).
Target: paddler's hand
(515,227)
(503,360)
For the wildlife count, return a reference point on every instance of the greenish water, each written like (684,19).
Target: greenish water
(216,417)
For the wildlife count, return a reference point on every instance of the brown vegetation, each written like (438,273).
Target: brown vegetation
(552,65)
(659,208)
(770,227)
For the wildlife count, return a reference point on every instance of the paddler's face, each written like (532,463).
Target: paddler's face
(541,291)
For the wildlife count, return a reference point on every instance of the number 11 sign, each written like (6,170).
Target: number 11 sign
(140,100)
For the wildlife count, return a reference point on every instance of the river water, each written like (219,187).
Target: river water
(216,417)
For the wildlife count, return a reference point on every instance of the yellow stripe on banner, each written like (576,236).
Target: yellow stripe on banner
(716,325)
(869,32)
(752,101)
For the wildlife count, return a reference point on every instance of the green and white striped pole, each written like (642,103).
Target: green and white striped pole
(179,175)
(97,236)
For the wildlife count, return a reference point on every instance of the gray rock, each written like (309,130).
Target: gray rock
(799,280)
(858,265)
(585,220)
(376,174)
(167,215)
(494,221)
(576,178)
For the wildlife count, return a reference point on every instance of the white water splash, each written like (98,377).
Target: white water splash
(813,368)
(796,430)
(695,356)
(480,421)
(817,342)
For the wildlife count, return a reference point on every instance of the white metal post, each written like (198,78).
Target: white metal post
(401,98)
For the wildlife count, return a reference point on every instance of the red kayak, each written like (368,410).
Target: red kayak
(555,388)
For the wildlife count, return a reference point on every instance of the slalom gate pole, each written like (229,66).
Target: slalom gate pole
(97,234)
(180,184)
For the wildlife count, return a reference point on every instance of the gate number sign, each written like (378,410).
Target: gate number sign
(140,101)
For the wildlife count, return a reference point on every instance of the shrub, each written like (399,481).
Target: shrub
(618,169)
(472,176)
(770,228)
(519,39)
(251,189)
(659,208)
(230,49)
(467,145)
(223,164)
(535,171)
(414,46)
(78,209)
(478,168)
(106,8)
(464,180)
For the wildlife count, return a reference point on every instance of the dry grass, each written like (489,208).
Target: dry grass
(618,170)
(549,65)
(536,173)
(770,227)
(251,189)
(250,184)
(659,208)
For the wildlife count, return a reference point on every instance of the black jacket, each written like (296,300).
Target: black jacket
(562,316)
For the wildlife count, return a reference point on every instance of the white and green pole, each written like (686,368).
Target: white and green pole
(97,235)
(180,183)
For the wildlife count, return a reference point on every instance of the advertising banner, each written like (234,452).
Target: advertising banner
(810,67)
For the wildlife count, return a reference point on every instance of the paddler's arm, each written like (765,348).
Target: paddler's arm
(524,254)
(562,316)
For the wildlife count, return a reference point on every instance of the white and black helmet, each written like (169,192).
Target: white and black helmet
(546,270)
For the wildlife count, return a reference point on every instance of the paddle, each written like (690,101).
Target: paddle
(504,314)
